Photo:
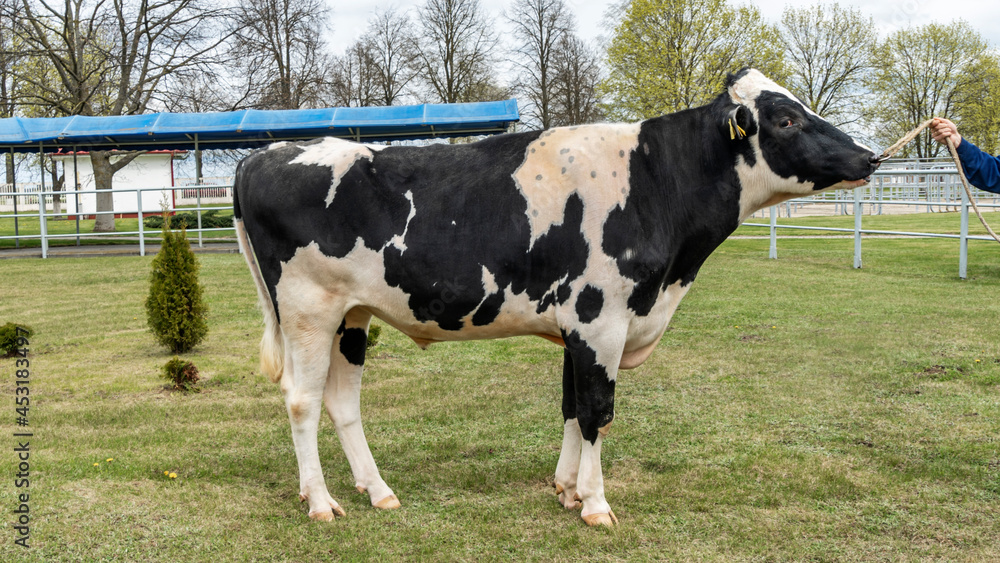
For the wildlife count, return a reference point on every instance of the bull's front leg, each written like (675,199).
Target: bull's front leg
(588,409)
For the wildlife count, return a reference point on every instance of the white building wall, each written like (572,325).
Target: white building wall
(153,170)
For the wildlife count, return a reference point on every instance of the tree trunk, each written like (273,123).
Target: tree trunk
(57,186)
(103,174)
(9,161)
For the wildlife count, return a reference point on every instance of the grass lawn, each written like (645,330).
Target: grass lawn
(797,410)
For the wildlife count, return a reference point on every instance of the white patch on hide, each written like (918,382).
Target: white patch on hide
(589,160)
(399,241)
(747,88)
(337,154)
(761,187)
(489,282)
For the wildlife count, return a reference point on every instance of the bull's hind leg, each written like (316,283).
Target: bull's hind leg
(343,403)
(593,388)
(308,340)
(569,458)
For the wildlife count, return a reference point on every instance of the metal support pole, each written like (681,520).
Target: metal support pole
(142,235)
(772,253)
(43,227)
(76,184)
(197,161)
(17,239)
(857,228)
(963,241)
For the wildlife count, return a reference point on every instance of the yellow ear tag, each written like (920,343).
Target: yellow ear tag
(740,129)
(732,133)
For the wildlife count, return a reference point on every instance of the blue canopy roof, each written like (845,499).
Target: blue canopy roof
(254,128)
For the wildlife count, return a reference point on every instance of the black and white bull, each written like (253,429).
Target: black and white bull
(587,236)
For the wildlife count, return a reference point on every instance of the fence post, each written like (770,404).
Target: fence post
(963,241)
(76,186)
(17,234)
(200,244)
(142,235)
(42,226)
(772,253)
(857,228)
(198,180)
(881,194)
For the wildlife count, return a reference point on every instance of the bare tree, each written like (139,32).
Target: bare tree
(280,50)
(539,27)
(112,57)
(393,48)
(355,76)
(828,50)
(576,74)
(10,54)
(456,51)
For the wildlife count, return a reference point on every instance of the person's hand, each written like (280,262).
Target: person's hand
(943,129)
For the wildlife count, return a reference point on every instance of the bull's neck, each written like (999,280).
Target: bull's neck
(696,190)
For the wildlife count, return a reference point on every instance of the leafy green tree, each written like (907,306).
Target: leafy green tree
(977,107)
(922,72)
(668,55)
(828,51)
(175,311)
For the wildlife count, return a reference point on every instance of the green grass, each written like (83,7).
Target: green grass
(797,410)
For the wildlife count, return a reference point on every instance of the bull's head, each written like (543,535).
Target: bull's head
(785,149)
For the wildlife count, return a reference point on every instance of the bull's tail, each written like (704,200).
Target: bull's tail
(272,346)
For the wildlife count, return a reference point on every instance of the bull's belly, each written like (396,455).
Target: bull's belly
(516,318)
(358,281)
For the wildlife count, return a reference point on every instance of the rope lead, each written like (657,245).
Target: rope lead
(889,152)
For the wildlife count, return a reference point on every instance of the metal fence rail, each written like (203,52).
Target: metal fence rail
(39,205)
(936,189)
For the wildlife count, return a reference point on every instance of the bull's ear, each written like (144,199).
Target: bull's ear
(740,123)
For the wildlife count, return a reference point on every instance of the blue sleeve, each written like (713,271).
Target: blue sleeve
(982,170)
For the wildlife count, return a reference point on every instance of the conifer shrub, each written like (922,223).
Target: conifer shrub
(374,331)
(175,311)
(182,374)
(9,337)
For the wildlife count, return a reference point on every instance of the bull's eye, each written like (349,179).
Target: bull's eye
(787,122)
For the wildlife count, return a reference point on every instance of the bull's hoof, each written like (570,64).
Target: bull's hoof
(324,515)
(569,501)
(388,503)
(321,516)
(601,519)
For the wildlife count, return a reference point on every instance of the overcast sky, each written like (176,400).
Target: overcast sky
(351,16)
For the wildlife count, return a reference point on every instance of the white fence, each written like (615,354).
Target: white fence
(922,186)
(36,207)
(210,191)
